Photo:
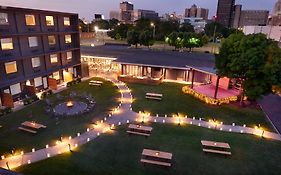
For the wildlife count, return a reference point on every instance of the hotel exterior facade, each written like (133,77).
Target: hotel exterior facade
(38,50)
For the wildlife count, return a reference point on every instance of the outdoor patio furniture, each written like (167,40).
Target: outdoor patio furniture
(27,130)
(215,147)
(33,125)
(156,157)
(95,83)
(139,130)
(153,96)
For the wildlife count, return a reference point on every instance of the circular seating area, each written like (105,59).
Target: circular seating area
(76,108)
(72,105)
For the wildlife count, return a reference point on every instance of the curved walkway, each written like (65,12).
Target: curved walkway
(121,115)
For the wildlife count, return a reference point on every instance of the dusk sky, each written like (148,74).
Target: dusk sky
(86,8)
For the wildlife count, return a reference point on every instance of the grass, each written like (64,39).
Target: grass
(118,153)
(11,137)
(174,102)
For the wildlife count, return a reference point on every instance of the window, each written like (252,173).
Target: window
(7,43)
(38,81)
(49,20)
(67,39)
(30,20)
(68,55)
(54,58)
(66,21)
(15,89)
(11,67)
(33,41)
(52,40)
(35,62)
(4,19)
(56,75)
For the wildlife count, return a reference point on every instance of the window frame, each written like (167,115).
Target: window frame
(3,44)
(52,21)
(37,43)
(66,22)
(66,39)
(6,20)
(51,59)
(55,42)
(67,57)
(34,63)
(34,20)
(11,63)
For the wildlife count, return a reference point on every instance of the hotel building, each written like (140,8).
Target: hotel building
(38,50)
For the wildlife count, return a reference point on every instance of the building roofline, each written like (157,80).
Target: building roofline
(36,10)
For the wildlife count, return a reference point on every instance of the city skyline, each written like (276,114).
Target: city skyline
(104,7)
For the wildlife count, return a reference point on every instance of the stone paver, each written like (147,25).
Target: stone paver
(122,115)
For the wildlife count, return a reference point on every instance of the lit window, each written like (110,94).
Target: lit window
(49,20)
(66,21)
(11,67)
(54,58)
(67,39)
(68,55)
(30,20)
(35,62)
(4,19)
(52,40)
(38,81)
(7,43)
(15,89)
(56,75)
(33,41)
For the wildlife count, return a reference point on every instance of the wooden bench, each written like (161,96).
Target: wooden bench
(153,98)
(138,133)
(156,162)
(216,151)
(94,84)
(27,130)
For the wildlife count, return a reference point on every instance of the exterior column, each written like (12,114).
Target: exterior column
(192,80)
(217,87)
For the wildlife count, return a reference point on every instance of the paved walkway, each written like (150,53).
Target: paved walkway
(271,105)
(121,115)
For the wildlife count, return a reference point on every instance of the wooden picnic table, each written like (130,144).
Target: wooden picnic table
(215,144)
(33,125)
(154,94)
(156,157)
(92,82)
(157,154)
(140,128)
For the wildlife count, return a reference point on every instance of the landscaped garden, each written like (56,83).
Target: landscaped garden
(119,153)
(57,126)
(175,102)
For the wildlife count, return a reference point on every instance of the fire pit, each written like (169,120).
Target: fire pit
(69,104)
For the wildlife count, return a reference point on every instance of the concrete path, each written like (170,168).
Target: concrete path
(271,105)
(121,115)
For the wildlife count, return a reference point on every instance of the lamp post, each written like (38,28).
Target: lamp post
(153,25)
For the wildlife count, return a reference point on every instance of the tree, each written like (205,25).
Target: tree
(216,28)
(101,24)
(133,38)
(174,40)
(146,38)
(254,59)
(113,23)
(186,27)
(82,26)
(191,40)
(120,30)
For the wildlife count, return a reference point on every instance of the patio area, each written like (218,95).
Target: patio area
(209,91)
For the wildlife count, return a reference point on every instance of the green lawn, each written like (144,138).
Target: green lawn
(174,101)
(11,137)
(119,153)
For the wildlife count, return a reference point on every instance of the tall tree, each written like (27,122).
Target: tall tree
(186,27)
(191,40)
(146,38)
(216,29)
(133,38)
(254,59)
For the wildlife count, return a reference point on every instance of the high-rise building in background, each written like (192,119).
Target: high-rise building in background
(225,10)
(114,15)
(236,15)
(126,12)
(253,18)
(147,14)
(275,19)
(197,12)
